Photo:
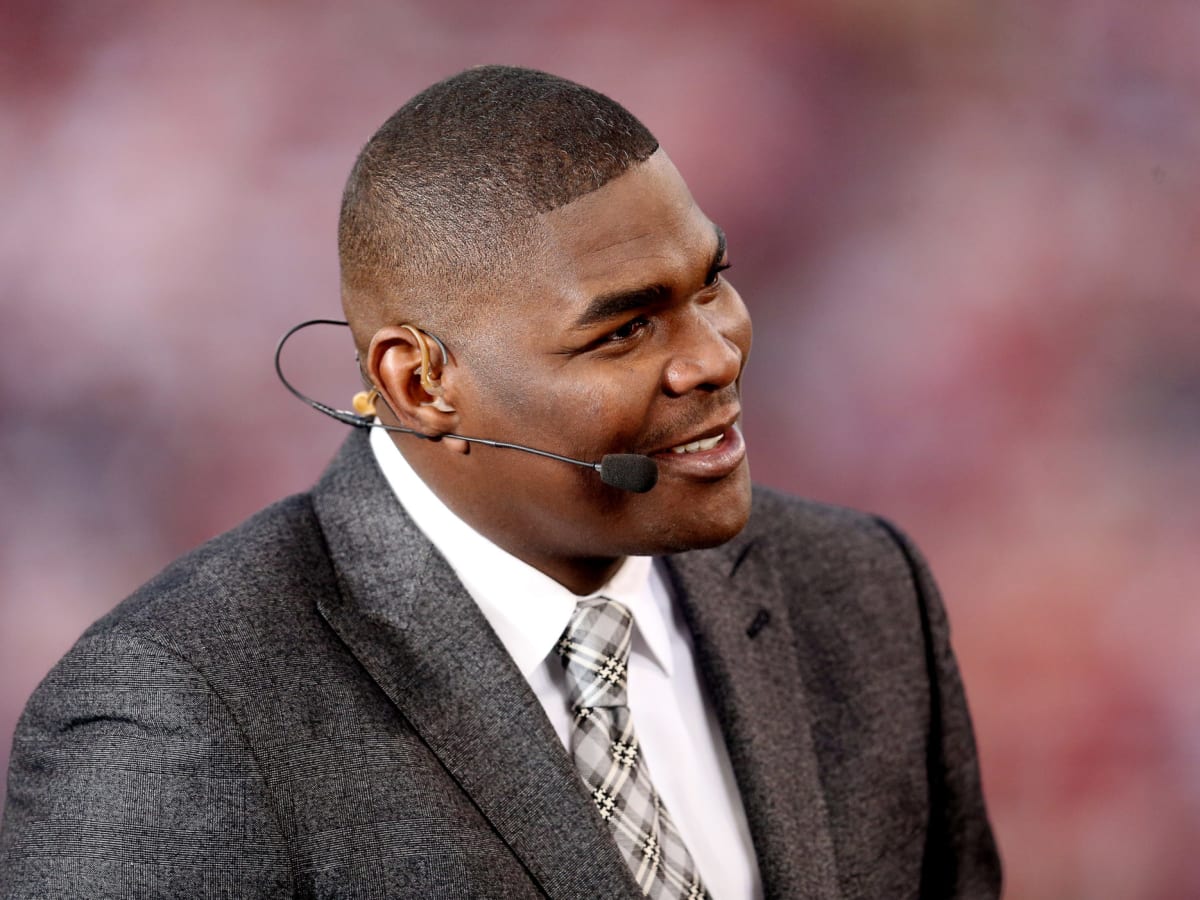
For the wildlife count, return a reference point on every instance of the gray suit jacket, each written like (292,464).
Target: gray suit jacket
(311,705)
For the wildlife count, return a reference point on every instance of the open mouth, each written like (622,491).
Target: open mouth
(699,446)
(706,458)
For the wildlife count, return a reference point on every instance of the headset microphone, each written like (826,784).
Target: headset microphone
(627,471)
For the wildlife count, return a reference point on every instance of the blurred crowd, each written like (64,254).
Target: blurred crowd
(967,233)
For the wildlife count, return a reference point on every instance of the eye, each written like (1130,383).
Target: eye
(629,330)
(715,275)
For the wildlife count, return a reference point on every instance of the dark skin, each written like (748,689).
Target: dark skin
(619,334)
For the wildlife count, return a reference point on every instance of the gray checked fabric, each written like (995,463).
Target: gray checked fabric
(595,651)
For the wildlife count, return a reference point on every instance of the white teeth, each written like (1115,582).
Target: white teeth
(696,446)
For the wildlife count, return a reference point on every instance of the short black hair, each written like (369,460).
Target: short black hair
(437,197)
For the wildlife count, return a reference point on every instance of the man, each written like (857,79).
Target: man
(422,677)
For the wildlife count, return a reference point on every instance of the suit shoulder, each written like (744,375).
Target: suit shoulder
(834,542)
(230,575)
(788,518)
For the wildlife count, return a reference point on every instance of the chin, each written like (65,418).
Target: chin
(716,533)
(718,519)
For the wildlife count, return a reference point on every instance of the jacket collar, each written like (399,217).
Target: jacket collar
(409,621)
(739,613)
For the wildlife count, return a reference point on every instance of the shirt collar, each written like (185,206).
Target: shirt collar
(526,608)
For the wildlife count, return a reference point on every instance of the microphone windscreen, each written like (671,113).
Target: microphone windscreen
(629,472)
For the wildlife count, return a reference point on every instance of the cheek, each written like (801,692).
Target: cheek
(740,330)
(501,391)
(583,410)
(609,409)
(580,416)
(592,401)
(595,394)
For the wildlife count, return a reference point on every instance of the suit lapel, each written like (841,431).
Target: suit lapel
(735,607)
(406,617)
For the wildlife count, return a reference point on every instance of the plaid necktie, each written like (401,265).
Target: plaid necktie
(595,651)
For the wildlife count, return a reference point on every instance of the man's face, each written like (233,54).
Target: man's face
(621,336)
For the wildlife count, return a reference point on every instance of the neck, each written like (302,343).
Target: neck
(581,574)
(580,577)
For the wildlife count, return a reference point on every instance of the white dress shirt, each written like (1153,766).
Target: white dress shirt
(675,722)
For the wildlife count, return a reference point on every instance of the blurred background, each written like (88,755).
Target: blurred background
(967,233)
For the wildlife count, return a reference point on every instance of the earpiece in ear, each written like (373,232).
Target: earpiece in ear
(364,402)
(429,383)
(439,402)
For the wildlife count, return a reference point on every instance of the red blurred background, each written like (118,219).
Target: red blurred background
(967,235)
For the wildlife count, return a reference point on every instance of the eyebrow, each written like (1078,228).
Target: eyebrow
(604,307)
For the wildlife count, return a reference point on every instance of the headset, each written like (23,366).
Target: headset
(628,471)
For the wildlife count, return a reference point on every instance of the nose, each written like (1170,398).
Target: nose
(713,348)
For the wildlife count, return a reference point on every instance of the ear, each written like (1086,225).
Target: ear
(413,383)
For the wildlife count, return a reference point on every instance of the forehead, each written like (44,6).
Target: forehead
(641,227)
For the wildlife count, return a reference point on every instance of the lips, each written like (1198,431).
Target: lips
(696,435)
(705,457)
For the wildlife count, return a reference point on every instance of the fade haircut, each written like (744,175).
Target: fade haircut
(444,194)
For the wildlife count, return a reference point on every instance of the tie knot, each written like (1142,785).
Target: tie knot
(595,652)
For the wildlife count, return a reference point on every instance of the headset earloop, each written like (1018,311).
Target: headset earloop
(431,385)
(364,401)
